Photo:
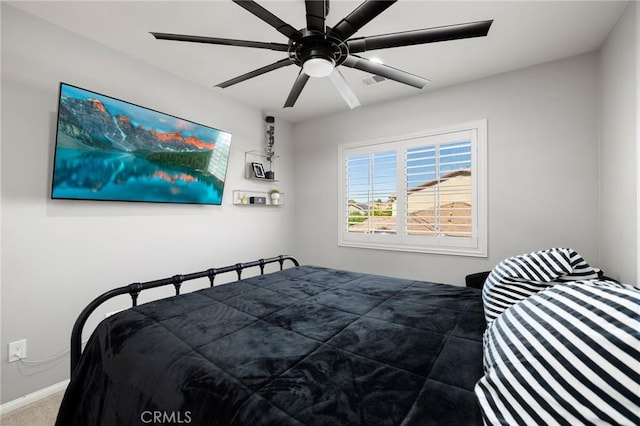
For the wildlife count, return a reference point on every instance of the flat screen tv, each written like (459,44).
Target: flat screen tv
(108,149)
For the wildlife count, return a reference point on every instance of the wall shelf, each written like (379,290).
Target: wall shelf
(243,198)
(251,157)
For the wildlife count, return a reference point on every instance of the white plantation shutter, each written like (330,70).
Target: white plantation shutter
(369,178)
(423,192)
(439,190)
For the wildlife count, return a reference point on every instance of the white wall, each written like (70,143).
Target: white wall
(542,161)
(58,255)
(618,145)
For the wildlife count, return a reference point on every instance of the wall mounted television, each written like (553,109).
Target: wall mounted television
(111,150)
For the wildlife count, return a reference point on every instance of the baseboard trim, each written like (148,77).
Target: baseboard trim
(10,406)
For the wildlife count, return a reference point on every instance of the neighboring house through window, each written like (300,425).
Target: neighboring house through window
(424,192)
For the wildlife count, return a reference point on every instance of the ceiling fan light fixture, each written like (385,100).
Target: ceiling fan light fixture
(318,67)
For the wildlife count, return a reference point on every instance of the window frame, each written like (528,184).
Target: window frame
(475,246)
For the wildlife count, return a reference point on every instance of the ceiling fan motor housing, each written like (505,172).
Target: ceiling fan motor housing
(317,46)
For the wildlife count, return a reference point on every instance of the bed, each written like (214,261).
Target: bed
(543,340)
(302,345)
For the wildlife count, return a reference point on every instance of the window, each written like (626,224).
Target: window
(423,193)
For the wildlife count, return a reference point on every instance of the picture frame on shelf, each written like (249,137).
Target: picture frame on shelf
(258,170)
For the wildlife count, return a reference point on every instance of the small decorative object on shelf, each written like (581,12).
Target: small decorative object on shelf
(275,197)
(257,200)
(271,129)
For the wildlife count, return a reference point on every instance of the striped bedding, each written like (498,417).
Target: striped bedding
(568,354)
(519,277)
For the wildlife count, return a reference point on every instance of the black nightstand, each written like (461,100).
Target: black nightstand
(476,280)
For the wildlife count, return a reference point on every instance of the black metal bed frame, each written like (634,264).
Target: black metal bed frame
(134,290)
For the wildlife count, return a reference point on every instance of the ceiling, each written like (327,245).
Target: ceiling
(524,33)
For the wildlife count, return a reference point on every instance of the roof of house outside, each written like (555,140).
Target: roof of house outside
(456,173)
(432,182)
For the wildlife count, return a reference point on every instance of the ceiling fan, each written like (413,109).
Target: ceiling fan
(319,50)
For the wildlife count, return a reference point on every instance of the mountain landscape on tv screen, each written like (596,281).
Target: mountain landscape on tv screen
(88,122)
(109,149)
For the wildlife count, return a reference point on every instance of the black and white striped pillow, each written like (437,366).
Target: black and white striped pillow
(516,278)
(567,355)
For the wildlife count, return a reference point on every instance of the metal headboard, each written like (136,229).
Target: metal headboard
(134,290)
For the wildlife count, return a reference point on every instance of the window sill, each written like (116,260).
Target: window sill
(444,250)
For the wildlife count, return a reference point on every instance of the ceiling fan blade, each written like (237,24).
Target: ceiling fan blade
(222,41)
(427,35)
(281,63)
(296,89)
(363,64)
(361,16)
(317,11)
(345,91)
(269,18)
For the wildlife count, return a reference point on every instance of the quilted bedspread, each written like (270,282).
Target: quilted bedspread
(306,345)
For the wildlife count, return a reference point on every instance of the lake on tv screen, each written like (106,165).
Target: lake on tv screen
(119,176)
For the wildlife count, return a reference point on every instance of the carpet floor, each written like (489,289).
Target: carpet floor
(40,413)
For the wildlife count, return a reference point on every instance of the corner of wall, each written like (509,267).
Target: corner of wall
(618,137)
(637,137)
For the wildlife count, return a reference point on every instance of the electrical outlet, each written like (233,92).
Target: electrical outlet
(17,350)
